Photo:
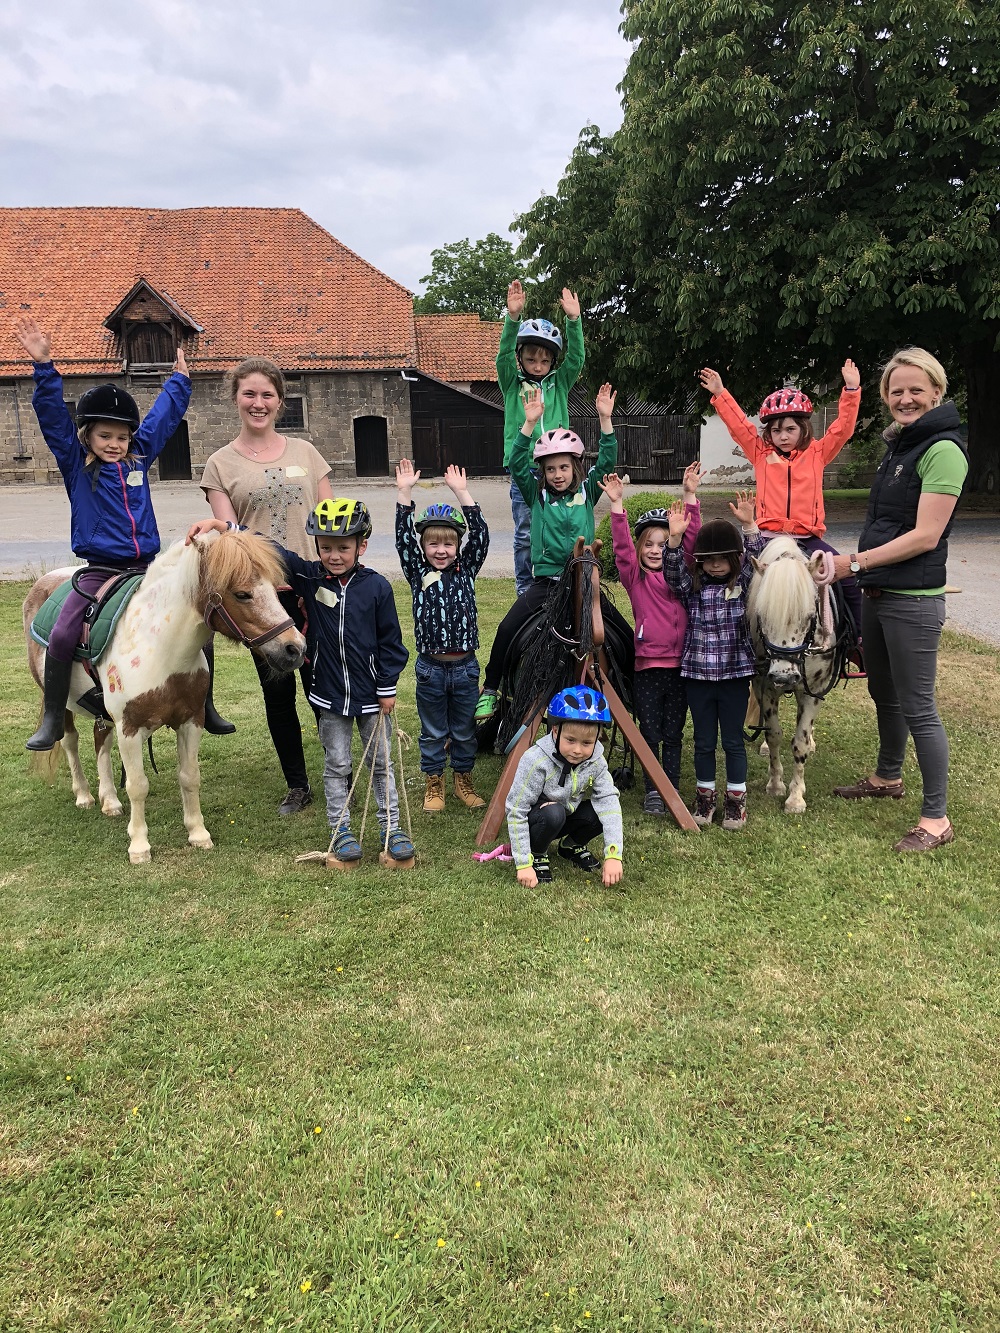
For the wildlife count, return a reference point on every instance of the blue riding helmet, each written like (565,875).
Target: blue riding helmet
(441,516)
(541,332)
(579,704)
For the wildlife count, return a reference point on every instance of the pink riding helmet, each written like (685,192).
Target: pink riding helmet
(785,403)
(558,441)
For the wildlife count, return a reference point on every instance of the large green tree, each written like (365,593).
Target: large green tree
(793,181)
(470,277)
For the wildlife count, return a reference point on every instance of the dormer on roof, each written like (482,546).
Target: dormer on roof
(149,326)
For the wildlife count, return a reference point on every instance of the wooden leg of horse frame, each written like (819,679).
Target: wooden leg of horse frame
(496,811)
(646,757)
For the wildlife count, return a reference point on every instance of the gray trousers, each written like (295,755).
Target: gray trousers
(335,734)
(901,636)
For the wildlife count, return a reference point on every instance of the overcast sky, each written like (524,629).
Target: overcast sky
(397,126)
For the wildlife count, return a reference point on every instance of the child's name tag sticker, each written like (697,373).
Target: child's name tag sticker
(328,596)
(733,593)
(432,576)
(295,472)
(134,478)
(579,499)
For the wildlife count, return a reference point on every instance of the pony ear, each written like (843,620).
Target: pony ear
(816,562)
(758,565)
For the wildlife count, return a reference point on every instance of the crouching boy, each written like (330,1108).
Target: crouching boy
(563,789)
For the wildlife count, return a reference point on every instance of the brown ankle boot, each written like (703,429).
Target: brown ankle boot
(434,793)
(466,793)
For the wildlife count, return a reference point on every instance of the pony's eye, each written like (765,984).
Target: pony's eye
(243,596)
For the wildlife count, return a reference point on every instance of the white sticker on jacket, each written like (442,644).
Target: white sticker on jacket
(328,596)
(134,479)
(295,471)
(733,593)
(432,576)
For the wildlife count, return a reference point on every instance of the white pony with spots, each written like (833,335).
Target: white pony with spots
(795,628)
(154,673)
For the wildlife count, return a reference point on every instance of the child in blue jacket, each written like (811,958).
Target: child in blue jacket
(104,459)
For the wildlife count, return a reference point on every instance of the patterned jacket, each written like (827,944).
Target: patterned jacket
(355,643)
(544,774)
(717,642)
(445,619)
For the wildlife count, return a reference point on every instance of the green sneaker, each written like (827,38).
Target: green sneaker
(486,706)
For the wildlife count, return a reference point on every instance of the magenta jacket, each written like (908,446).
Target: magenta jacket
(660,617)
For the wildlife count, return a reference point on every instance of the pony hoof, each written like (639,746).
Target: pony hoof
(112,809)
(776,789)
(795,807)
(85,802)
(140,858)
(204,844)
(764,752)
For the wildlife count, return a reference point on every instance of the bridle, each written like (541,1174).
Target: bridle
(229,627)
(797,655)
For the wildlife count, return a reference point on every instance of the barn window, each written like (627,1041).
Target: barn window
(293,416)
(149,344)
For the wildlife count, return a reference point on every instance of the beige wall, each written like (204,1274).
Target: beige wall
(332,403)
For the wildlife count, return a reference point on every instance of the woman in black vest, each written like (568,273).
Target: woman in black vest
(900,564)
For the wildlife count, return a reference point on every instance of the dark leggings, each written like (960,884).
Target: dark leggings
(519,614)
(661,707)
(719,706)
(279,704)
(546,822)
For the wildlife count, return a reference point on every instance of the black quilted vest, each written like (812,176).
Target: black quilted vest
(895,494)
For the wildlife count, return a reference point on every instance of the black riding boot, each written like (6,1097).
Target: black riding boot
(56,687)
(215,723)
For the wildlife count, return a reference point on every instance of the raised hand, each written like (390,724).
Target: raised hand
(678,521)
(694,473)
(711,380)
(613,487)
(455,480)
(180,366)
(515,300)
(851,374)
(406,479)
(570,303)
(605,403)
(745,507)
(33,340)
(534,404)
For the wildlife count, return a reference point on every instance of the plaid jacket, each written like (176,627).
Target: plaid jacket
(717,642)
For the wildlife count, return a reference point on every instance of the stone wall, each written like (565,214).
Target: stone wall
(332,401)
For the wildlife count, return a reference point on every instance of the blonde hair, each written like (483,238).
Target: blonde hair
(256,365)
(643,542)
(439,531)
(92,461)
(920,360)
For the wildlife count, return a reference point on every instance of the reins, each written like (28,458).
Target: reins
(214,607)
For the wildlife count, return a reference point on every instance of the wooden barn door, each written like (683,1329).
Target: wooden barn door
(371,447)
(175,461)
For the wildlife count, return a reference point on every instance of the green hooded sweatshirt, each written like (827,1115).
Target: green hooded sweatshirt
(555,386)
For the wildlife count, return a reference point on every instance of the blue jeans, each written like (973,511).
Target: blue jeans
(719,706)
(447,694)
(521,513)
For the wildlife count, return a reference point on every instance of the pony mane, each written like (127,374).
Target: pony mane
(238,560)
(783,594)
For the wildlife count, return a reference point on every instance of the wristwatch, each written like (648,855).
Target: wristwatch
(855,564)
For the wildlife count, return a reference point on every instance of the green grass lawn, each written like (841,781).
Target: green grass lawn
(755,1089)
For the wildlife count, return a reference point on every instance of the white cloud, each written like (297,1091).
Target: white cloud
(397,126)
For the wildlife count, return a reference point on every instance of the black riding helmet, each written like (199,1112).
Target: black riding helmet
(718,537)
(107,403)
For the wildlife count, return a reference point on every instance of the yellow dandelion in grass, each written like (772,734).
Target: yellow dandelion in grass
(587,1314)
(477,1184)
(340,969)
(135,1110)
(69,1078)
(907,1119)
(279,1212)
(318,1129)
(809,1226)
(441,1243)
(305,1286)
(397,1235)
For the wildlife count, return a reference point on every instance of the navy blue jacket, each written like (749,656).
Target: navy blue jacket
(112,521)
(355,643)
(444,601)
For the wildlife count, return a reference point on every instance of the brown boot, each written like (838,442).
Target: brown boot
(466,793)
(434,794)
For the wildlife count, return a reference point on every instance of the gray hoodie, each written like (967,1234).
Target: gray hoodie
(540,776)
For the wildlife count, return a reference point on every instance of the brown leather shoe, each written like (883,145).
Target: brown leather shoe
(922,840)
(865,787)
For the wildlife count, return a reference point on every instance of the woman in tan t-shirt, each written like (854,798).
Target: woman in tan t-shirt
(270,483)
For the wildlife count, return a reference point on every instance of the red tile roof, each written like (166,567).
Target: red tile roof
(457,348)
(260,281)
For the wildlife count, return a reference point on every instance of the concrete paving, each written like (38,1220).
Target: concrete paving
(34,537)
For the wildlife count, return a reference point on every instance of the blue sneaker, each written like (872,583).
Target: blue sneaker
(346,846)
(400,846)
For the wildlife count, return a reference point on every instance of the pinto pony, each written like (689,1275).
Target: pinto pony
(154,673)
(798,633)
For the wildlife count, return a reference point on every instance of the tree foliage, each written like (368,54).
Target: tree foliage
(793,182)
(470,278)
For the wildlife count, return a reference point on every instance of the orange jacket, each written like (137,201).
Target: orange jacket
(790,488)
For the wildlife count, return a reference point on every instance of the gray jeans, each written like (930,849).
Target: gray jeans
(901,636)
(335,734)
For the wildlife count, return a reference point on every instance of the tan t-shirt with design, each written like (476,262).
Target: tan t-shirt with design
(271,498)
